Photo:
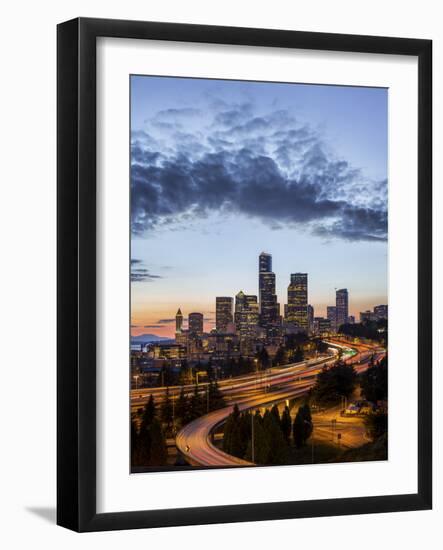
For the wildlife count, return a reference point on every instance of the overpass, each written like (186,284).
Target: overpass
(194,440)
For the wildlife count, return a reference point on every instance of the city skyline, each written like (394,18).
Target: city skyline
(297,293)
(258,237)
(225,169)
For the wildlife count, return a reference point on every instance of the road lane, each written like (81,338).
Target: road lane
(194,439)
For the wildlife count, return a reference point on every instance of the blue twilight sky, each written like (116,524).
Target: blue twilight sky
(222,170)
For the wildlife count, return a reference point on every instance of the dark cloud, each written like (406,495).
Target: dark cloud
(263,166)
(166,321)
(141,274)
(357,224)
(152,326)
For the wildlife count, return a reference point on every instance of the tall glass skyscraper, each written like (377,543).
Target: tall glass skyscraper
(341,305)
(297,308)
(195,322)
(223,312)
(331,314)
(268,305)
(246,315)
(310,318)
(265,262)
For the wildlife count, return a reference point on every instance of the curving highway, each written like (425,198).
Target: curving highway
(194,439)
(235,386)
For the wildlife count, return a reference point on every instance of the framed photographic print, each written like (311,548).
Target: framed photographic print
(244,274)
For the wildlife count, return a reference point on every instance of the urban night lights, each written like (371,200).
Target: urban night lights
(241,358)
(246,324)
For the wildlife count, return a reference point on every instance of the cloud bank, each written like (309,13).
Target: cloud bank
(266,166)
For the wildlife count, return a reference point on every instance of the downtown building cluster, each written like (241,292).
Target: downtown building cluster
(246,323)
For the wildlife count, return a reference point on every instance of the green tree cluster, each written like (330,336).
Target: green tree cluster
(202,400)
(334,382)
(372,330)
(272,434)
(303,426)
(374,381)
(148,443)
(376,425)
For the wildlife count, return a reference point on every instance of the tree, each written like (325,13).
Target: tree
(245,429)
(182,406)
(334,383)
(185,374)
(236,445)
(231,425)
(307,417)
(280,356)
(148,444)
(298,356)
(372,330)
(216,399)
(286,424)
(261,443)
(320,345)
(149,413)
(278,447)
(143,453)
(166,410)
(263,359)
(276,413)
(196,404)
(167,377)
(134,443)
(303,426)
(292,341)
(374,382)
(376,425)
(159,452)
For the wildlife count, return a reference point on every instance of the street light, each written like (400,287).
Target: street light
(136,376)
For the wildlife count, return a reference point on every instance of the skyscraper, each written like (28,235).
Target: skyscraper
(381,312)
(195,324)
(268,306)
(331,314)
(264,263)
(342,309)
(178,320)
(310,318)
(322,325)
(246,315)
(297,309)
(223,312)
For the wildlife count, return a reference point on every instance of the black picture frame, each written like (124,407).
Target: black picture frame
(76,266)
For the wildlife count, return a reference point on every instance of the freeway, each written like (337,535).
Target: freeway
(231,387)
(194,439)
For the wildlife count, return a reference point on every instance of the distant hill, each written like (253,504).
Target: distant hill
(145,338)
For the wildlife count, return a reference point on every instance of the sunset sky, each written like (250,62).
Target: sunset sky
(223,170)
